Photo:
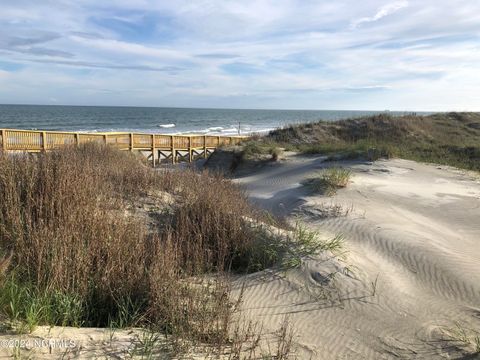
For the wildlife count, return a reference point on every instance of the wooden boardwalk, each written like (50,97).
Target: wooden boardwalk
(172,148)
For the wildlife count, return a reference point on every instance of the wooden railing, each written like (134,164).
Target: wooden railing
(169,146)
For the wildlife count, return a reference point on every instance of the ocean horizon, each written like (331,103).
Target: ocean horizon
(165,120)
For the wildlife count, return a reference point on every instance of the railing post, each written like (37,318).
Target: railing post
(204,146)
(3,134)
(131,141)
(105,139)
(190,151)
(44,140)
(154,151)
(77,139)
(173,149)
(218,141)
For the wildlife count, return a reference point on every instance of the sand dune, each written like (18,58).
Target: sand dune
(412,268)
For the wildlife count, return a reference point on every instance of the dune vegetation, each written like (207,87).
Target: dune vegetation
(443,138)
(329,180)
(93,237)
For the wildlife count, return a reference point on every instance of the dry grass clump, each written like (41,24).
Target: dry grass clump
(4,265)
(57,219)
(219,230)
(329,180)
(75,252)
(208,222)
(276,153)
(247,343)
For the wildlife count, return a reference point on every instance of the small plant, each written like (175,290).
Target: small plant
(284,341)
(254,148)
(248,342)
(145,346)
(130,312)
(276,153)
(325,210)
(284,251)
(469,338)
(17,352)
(306,243)
(33,314)
(27,306)
(329,180)
(260,150)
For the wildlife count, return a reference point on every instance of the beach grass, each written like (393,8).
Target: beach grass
(79,249)
(285,250)
(329,180)
(443,138)
(260,150)
(467,337)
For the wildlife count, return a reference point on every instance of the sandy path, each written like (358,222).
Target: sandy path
(412,268)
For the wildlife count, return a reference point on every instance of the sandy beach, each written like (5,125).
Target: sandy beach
(408,279)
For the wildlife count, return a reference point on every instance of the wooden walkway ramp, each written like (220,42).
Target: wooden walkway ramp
(172,148)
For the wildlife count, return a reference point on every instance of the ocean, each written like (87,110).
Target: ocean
(160,120)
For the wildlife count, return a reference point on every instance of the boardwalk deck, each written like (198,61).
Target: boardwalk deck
(161,147)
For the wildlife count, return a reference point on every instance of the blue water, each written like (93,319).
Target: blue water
(159,120)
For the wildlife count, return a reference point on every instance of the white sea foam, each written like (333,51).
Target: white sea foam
(229,130)
(215,128)
(166,126)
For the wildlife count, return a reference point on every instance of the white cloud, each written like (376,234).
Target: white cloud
(116,46)
(385,10)
(302,53)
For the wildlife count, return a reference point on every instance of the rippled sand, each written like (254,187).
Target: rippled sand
(411,272)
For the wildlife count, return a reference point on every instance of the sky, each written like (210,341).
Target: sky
(272,54)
